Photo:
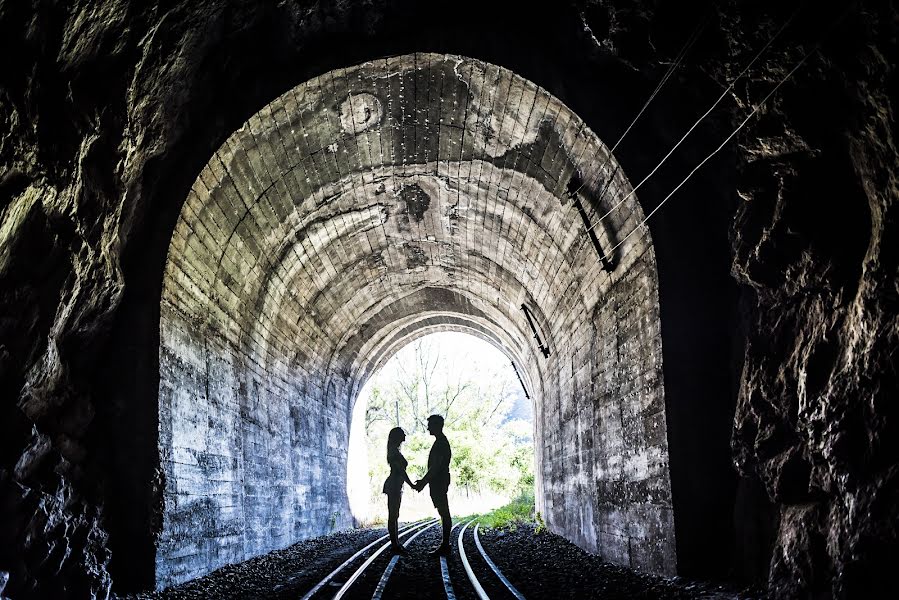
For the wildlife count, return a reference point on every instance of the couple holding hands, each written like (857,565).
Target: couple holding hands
(437,478)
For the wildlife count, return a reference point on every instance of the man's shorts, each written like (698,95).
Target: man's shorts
(438,497)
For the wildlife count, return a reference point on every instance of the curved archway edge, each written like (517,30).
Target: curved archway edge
(136,534)
(418,168)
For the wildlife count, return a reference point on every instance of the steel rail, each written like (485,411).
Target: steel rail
(343,565)
(471,576)
(444,573)
(388,571)
(508,584)
(358,572)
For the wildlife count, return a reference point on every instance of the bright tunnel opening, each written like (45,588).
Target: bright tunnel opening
(489,422)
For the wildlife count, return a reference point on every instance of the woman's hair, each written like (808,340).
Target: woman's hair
(394,438)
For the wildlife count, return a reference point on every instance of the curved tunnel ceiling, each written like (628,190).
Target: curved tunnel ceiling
(368,184)
(360,210)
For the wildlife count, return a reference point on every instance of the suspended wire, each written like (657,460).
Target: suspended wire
(671,69)
(716,150)
(700,119)
(678,60)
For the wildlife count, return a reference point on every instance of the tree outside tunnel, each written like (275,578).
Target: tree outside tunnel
(488,420)
(358,211)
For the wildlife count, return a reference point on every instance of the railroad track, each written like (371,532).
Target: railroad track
(493,567)
(330,576)
(388,571)
(445,575)
(460,586)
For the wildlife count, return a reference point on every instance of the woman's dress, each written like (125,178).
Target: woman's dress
(398,463)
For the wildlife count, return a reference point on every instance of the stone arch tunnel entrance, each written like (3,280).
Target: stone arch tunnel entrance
(184,299)
(358,210)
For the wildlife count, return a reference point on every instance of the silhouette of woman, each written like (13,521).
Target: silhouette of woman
(393,487)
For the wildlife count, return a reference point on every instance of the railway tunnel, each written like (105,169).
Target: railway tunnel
(220,220)
(351,213)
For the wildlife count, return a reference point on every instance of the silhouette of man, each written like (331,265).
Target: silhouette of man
(438,478)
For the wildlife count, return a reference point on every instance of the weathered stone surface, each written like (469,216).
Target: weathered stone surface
(110,110)
(305,233)
(814,240)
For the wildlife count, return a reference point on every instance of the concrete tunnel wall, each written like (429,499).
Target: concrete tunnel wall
(421,184)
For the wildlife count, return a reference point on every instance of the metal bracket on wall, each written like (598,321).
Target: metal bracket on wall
(521,381)
(574,186)
(543,349)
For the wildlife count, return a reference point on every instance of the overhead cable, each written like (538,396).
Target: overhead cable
(726,91)
(716,150)
(671,69)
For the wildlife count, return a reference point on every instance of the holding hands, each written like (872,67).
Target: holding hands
(418,485)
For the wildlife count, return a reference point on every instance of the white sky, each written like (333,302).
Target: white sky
(459,351)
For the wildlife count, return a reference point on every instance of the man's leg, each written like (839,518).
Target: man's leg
(441,503)
(447,522)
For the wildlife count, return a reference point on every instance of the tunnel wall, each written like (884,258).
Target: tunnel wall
(251,459)
(605,466)
(111,109)
(355,200)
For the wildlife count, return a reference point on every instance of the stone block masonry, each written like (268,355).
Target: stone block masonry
(356,211)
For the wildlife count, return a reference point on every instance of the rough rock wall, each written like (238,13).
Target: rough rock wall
(815,242)
(105,105)
(814,249)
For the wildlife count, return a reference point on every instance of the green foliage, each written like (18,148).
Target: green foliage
(520,510)
(541,526)
(491,451)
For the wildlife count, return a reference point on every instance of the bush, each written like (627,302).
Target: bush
(520,510)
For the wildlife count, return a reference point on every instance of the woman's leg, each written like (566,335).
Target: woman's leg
(393,517)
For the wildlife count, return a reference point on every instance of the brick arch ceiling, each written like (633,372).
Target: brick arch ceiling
(357,209)
(409,321)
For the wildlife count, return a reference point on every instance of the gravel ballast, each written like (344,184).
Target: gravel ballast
(539,565)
